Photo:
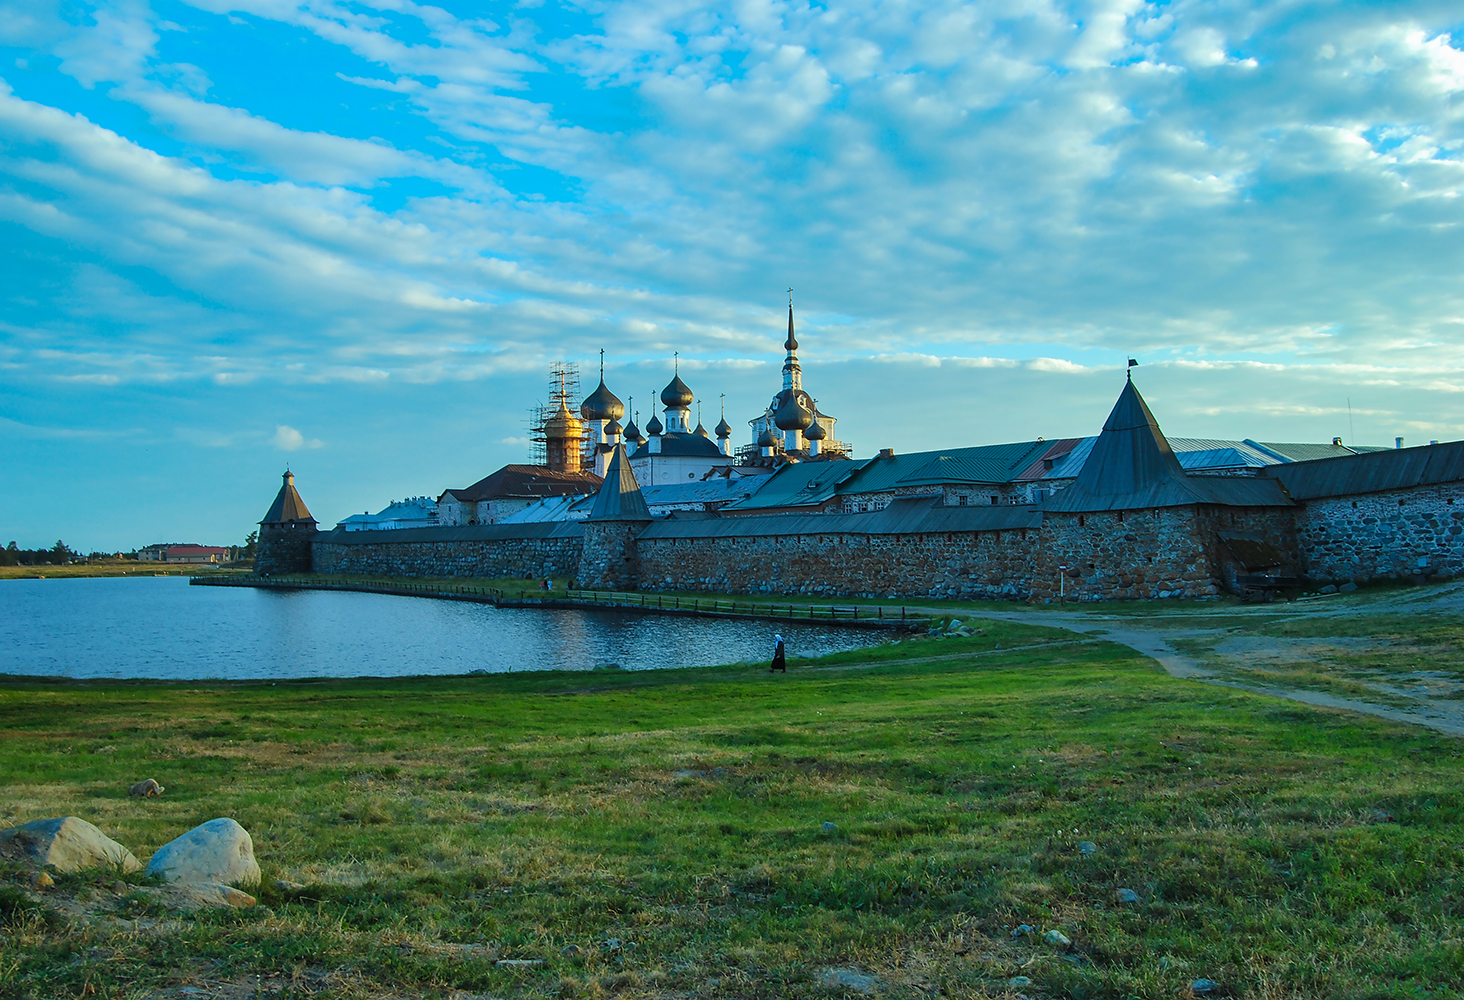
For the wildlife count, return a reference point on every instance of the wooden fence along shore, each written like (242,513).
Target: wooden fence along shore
(844,615)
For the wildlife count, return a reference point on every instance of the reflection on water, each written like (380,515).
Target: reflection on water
(160,627)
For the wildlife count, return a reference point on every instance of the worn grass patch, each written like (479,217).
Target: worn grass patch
(725,833)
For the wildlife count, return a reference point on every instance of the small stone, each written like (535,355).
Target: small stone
(68,844)
(1021,930)
(1057,937)
(1330,588)
(571,951)
(1124,897)
(41,880)
(1346,588)
(285,885)
(1379,816)
(147,789)
(218,851)
(955,624)
(850,979)
(1202,986)
(518,963)
(829,827)
(1019,981)
(1088,847)
(120,887)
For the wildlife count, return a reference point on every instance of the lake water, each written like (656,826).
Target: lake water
(160,627)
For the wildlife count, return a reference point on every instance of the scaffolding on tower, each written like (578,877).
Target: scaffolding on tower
(563,387)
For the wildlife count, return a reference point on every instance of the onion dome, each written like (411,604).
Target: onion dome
(653,427)
(701,431)
(767,439)
(613,427)
(791,414)
(724,429)
(815,432)
(563,424)
(632,433)
(602,404)
(676,394)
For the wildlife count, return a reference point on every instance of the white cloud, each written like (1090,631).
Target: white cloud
(286,438)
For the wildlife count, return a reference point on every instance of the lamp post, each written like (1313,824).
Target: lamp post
(1061,585)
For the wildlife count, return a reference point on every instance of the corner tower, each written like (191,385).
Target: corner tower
(286,533)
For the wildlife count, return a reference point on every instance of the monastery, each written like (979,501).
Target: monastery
(1124,514)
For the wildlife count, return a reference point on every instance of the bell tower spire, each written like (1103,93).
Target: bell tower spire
(792,370)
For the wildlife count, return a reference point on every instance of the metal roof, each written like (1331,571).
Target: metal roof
(1309,452)
(1371,472)
(903,516)
(526,481)
(462,533)
(679,445)
(800,484)
(1131,466)
(547,509)
(997,463)
(287,504)
(620,497)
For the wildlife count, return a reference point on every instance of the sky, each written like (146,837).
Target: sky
(352,236)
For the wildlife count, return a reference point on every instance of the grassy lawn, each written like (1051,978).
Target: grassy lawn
(726,833)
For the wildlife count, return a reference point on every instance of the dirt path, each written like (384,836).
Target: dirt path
(1425,698)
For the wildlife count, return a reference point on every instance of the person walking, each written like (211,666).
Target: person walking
(780,661)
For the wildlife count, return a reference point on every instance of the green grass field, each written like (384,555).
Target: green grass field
(665,835)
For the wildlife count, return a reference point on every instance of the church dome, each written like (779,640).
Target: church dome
(613,427)
(767,439)
(563,424)
(701,431)
(632,433)
(676,395)
(815,432)
(724,429)
(791,414)
(602,404)
(653,426)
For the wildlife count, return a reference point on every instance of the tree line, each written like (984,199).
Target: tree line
(57,555)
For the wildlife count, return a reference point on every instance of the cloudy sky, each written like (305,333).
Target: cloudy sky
(351,235)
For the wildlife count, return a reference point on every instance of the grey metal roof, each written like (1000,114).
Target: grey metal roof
(620,497)
(904,516)
(997,463)
(1132,467)
(1309,452)
(679,445)
(1371,472)
(800,484)
(461,533)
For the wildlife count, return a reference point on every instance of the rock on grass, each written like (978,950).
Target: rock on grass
(218,852)
(68,844)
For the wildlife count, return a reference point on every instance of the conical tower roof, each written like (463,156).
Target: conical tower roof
(791,344)
(620,496)
(1130,467)
(287,504)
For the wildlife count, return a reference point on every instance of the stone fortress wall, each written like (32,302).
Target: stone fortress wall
(1109,555)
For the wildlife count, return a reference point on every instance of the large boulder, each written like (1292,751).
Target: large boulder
(218,851)
(67,844)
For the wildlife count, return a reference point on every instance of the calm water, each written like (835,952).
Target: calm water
(160,627)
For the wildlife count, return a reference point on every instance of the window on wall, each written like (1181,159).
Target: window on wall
(963,499)
(1120,517)
(995,501)
(1082,520)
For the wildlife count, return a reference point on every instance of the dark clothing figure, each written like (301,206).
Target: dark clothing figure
(780,661)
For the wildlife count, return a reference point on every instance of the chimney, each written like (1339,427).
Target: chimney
(1336,442)
(1397,442)
(890,452)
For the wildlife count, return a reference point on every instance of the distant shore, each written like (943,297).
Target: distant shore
(129,568)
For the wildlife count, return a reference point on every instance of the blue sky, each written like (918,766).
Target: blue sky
(351,236)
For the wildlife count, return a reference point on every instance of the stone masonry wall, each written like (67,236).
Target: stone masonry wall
(1137,555)
(1391,535)
(284,548)
(486,558)
(608,560)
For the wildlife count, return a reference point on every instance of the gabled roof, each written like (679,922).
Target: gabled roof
(620,497)
(287,506)
(1309,452)
(519,481)
(800,484)
(1131,467)
(1371,472)
(996,463)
